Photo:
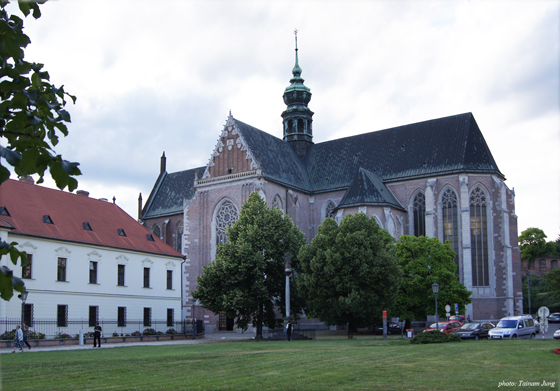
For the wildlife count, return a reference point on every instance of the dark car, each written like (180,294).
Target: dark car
(392,328)
(554,317)
(474,330)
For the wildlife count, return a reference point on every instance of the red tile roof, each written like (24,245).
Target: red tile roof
(27,205)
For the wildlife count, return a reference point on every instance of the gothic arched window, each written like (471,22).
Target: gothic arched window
(450,217)
(156,231)
(479,238)
(226,217)
(329,209)
(277,202)
(179,236)
(419,211)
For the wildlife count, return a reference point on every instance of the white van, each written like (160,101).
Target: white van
(513,327)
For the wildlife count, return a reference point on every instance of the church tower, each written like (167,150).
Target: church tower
(297,118)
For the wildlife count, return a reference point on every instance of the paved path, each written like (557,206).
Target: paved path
(212,337)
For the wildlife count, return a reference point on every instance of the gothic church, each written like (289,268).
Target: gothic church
(435,178)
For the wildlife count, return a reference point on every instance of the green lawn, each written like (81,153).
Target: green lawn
(359,364)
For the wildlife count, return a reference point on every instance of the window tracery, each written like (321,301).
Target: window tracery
(479,237)
(227,216)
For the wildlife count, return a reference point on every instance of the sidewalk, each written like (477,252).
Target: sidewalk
(211,337)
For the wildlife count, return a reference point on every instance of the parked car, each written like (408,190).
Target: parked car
(556,334)
(474,330)
(392,328)
(522,326)
(554,317)
(458,318)
(445,327)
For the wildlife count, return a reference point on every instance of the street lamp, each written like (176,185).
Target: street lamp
(192,312)
(287,273)
(435,288)
(23,297)
(529,290)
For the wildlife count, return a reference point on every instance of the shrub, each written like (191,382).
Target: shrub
(35,335)
(9,335)
(149,332)
(63,336)
(171,331)
(116,335)
(136,334)
(434,336)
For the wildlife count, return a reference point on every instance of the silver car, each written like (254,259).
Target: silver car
(512,327)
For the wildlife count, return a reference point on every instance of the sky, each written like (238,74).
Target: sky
(155,76)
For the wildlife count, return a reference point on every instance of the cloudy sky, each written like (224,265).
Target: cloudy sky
(154,76)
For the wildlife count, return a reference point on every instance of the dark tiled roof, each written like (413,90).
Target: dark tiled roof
(368,189)
(436,147)
(276,157)
(167,195)
(29,203)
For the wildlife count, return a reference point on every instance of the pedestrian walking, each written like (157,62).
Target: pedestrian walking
(24,330)
(18,340)
(97,335)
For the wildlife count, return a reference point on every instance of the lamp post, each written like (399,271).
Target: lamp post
(287,273)
(435,288)
(192,312)
(529,290)
(23,297)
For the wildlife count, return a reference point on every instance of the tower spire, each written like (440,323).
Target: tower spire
(297,118)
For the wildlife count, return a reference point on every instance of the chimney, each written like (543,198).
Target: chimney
(140,206)
(162,168)
(82,193)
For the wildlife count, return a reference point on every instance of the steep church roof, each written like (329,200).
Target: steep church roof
(167,196)
(367,189)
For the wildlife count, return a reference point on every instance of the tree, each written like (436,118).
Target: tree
(32,115)
(553,281)
(349,275)
(247,277)
(424,261)
(532,243)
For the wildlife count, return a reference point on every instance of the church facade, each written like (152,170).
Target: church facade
(435,178)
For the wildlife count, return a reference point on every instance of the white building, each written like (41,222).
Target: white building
(89,261)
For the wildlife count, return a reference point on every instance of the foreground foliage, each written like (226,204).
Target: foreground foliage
(358,364)
(32,116)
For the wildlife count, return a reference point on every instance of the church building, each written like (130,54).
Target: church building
(435,178)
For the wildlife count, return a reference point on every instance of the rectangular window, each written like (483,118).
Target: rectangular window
(61,272)
(146,277)
(26,270)
(120,281)
(170,279)
(170,317)
(479,246)
(147,316)
(93,272)
(62,315)
(28,314)
(93,315)
(121,317)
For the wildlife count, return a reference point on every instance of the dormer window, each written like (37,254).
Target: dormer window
(150,238)
(87,227)
(4,211)
(47,219)
(121,232)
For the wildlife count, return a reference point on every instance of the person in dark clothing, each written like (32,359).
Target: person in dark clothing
(289,331)
(24,330)
(97,335)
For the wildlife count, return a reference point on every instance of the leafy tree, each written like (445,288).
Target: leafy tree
(349,275)
(532,243)
(247,278)
(541,295)
(423,261)
(32,115)
(553,281)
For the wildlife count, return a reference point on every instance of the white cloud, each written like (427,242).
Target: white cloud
(162,76)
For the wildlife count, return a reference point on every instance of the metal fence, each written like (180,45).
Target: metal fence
(52,330)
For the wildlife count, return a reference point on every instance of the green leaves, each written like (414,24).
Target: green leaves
(349,276)
(532,243)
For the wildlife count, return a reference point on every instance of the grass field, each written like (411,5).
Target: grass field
(334,364)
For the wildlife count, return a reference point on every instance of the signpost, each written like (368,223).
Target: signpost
(543,313)
(456,309)
(384,324)
(448,311)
